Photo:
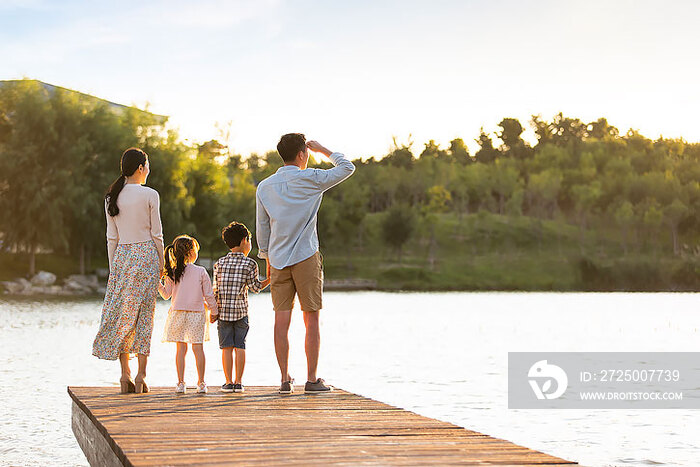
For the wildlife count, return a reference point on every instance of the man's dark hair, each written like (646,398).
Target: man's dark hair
(290,145)
(234,233)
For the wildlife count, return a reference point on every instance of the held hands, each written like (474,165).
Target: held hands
(315,146)
(213,318)
(267,280)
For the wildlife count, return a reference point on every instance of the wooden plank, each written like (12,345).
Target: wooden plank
(263,427)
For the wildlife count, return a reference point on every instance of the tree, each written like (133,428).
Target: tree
(97,141)
(478,178)
(543,130)
(487,153)
(550,156)
(587,167)
(239,202)
(438,201)
(171,164)
(269,163)
(624,216)
(459,187)
(459,151)
(401,154)
(672,215)
(341,218)
(208,184)
(652,217)
(511,131)
(432,149)
(397,227)
(601,129)
(543,188)
(616,179)
(568,131)
(35,174)
(585,197)
(514,205)
(505,179)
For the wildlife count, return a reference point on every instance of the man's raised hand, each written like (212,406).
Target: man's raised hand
(315,146)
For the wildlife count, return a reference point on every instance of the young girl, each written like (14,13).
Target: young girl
(192,295)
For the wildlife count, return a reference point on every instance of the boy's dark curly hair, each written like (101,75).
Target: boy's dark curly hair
(233,233)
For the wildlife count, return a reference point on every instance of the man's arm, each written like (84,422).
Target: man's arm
(330,177)
(262,227)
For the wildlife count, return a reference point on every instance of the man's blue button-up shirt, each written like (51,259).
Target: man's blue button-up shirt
(287,205)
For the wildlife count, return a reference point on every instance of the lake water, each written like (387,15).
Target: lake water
(443,355)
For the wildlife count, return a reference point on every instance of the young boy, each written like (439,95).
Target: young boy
(234,275)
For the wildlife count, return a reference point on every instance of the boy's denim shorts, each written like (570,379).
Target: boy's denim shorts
(233,333)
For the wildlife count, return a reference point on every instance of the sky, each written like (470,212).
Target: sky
(353,75)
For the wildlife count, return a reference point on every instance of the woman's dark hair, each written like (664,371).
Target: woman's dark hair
(176,255)
(132,159)
(290,145)
(233,233)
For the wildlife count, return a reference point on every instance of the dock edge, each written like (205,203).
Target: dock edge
(93,439)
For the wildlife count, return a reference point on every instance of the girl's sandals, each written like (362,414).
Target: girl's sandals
(126,385)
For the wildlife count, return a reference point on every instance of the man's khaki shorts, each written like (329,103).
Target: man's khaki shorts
(304,279)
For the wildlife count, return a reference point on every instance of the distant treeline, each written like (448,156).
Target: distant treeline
(59,152)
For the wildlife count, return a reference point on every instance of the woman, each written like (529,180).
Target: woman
(135,250)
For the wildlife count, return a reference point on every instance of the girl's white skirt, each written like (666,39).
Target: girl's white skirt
(186,326)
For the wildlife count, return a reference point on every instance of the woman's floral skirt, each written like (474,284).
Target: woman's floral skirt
(130,300)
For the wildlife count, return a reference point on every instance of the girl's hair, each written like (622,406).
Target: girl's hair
(177,253)
(131,160)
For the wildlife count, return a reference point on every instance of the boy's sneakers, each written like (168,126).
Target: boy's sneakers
(228,387)
(180,388)
(238,388)
(287,387)
(202,388)
(317,387)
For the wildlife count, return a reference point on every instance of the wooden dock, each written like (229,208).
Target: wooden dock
(262,427)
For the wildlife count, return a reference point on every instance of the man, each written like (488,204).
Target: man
(287,205)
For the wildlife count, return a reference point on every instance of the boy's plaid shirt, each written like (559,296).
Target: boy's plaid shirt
(234,275)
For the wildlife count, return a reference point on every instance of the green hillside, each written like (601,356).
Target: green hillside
(492,252)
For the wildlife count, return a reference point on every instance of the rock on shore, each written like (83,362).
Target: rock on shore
(44,283)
